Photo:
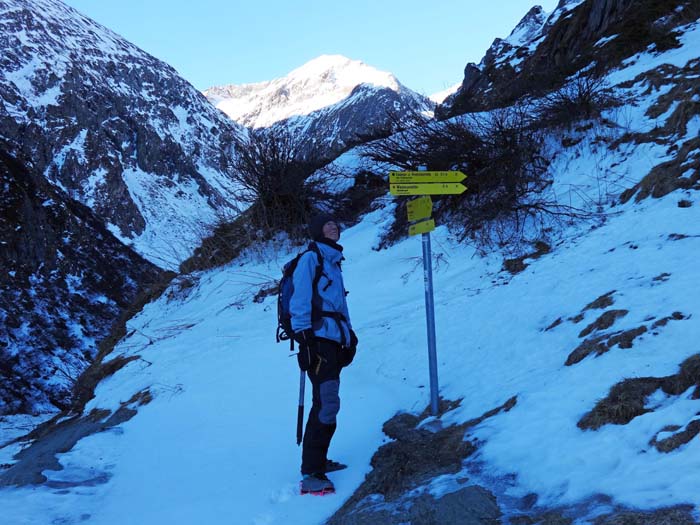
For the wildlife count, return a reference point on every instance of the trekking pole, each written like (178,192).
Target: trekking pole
(300,413)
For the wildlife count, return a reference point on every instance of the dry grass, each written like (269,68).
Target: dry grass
(605,321)
(415,455)
(627,399)
(518,264)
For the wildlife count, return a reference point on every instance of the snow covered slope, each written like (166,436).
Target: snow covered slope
(614,304)
(330,102)
(117,129)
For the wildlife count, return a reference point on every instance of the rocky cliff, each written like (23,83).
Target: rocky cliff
(64,279)
(117,129)
(542,52)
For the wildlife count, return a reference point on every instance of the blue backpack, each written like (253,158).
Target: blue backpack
(284,296)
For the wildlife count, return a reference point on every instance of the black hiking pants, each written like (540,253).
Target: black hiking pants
(320,427)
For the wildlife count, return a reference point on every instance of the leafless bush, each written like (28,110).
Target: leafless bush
(275,186)
(502,155)
(277,194)
(584,98)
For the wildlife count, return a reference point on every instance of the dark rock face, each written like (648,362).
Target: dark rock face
(396,490)
(64,279)
(571,39)
(119,130)
(470,505)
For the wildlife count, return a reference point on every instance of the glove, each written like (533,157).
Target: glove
(348,352)
(305,357)
(353,340)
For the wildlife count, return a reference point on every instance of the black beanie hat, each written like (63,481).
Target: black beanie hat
(316,225)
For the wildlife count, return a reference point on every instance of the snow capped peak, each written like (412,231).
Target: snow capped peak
(342,73)
(321,82)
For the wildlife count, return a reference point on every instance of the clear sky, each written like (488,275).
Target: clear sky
(425,43)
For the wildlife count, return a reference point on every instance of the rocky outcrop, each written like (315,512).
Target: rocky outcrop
(594,34)
(65,278)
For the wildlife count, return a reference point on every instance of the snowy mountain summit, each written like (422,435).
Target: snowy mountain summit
(322,82)
(330,104)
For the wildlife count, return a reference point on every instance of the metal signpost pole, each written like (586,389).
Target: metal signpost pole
(419,211)
(430,318)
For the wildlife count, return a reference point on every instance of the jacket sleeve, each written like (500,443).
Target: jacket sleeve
(300,302)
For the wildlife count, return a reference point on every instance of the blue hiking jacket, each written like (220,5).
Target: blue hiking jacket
(330,289)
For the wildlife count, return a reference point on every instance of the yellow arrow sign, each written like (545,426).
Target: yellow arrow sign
(404,177)
(421,227)
(419,208)
(450,188)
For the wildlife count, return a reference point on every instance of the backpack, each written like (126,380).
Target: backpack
(284,296)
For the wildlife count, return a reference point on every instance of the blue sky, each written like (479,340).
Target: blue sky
(425,43)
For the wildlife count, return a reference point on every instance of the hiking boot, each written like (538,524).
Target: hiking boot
(316,484)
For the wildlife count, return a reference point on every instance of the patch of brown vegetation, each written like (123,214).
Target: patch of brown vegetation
(587,347)
(683,82)
(518,264)
(605,321)
(416,455)
(624,339)
(678,439)
(675,316)
(601,302)
(682,172)
(556,323)
(226,242)
(627,399)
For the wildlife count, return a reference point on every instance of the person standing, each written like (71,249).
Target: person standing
(327,344)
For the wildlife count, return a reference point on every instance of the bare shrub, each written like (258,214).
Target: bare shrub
(502,155)
(275,188)
(584,98)
(277,195)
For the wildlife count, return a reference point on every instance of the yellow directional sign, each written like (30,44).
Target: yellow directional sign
(406,177)
(421,227)
(420,208)
(449,188)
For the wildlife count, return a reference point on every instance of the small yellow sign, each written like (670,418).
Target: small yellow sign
(449,188)
(421,227)
(408,177)
(419,208)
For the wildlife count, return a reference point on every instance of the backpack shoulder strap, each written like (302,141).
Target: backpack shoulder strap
(316,304)
(313,247)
